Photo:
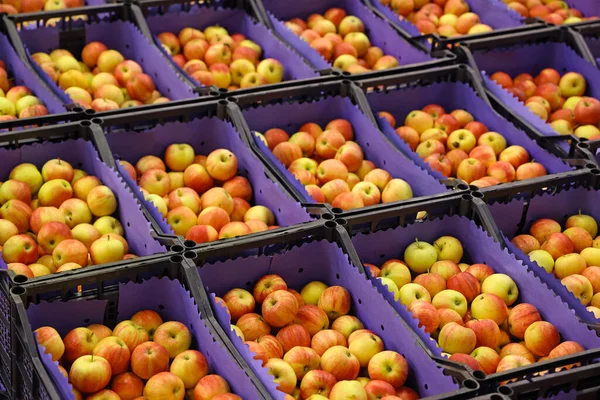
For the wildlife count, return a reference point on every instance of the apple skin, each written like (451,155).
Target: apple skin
(520,317)
(79,342)
(541,337)
(558,245)
(543,228)
(526,243)
(489,306)
(365,346)
(326,339)
(317,382)
(580,237)
(174,336)
(503,286)
(517,349)
(583,221)
(279,308)
(267,285)
(388,366)
(466,359)
(312,318)
(253,326)
(89,373)
(210,386)
(465,283)
(302,360)
(593,275)
(335,301)
(427,315)
(454,338)
(273,348)
(50,339)
(569,264)
(100,330)
(486,331)
(566,348)
(341,363)
(17,212)
(115,351)
(149,320)
(164,385)
(580,286)
(293,335)
(451,299)
(20,249)
(148,359)
(239,302)
(131,333)
(511,362)
(127,386)
(487,358)
(284,374)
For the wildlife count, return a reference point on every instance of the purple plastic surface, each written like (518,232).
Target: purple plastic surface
(557,207)
(379,31)
(532,58)
(380,246)
(491,12)
(291,116)
(235,21)
(22,75)
(326,262)
(589,8)
(456,96)
(206,135)
(125,38)
(169,298)
(82,154)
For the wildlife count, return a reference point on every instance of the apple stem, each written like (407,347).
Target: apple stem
(417,242)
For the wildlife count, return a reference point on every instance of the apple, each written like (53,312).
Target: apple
(541,337)
(148,359)
(526,243)
(51,341)
(412,292)
(302,360)
(174,336)
(580,286)
(454,338)
(503,286)
(149,320)
(591,256)
(272,347)
(316,382)
(486,331)
(312,318)
(434,283)
(106,250)
(487,358)
(163,385)
(583,221)
(572,84)
(284,375)
(239,302)
(341,363)
(566,348)
(253,326)
(335,301)
(489,306)
(326,339)
(190,366)
(466,284)
(466,359)
(427,315)
(593,275)
(131,333)
(530,170)
(420,256)
(100,330)
(451,299)
(89,373)
(210,386)
(293,335)
(388,366)
(511,362)
(115,351)
(279,308)
(127,386)
(569,264)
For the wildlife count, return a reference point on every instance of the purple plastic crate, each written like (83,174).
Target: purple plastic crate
(124,37)
(22,75)
(326,262)
(375,248)
(206,135)
(291,116)
(558,206)
(491,12)
(532,58)
(380,32)
(589,8)
(457,95)
(82,154)
(169,298)
(235,21)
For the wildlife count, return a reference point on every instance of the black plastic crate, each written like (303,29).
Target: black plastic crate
(290,108)
(530,52)
(288,254)
(399,94)
(128,139)
(72,29)
(111,297)
(467,218)
(391,38)
(235,16)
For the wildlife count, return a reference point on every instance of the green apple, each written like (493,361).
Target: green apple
(420,256)
(571,103)
(503,286)
(451,299)
(448,248)
(391,287)
(6,107)
(543,259)
(312,292)
(412,292)
(591,256)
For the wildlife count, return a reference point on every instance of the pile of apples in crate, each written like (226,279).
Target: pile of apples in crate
(332,166)
(141,358)
(457,146)
(571,254)
(553,11)
(214,57)
(58,219)
(558,100)
(341,40)
(202,197)
(470,309)
(25,6)
(17,101)
(311,344)
(446,17)
(101,79)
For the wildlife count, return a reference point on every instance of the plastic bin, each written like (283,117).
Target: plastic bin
(38,377)
(166,16)
(297,264)
(82,145)
(390,39)
(72,33)
(206,127)
(402,93)
(378,245)
(491,12)
(291,108)
(530,52)
(21,74)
